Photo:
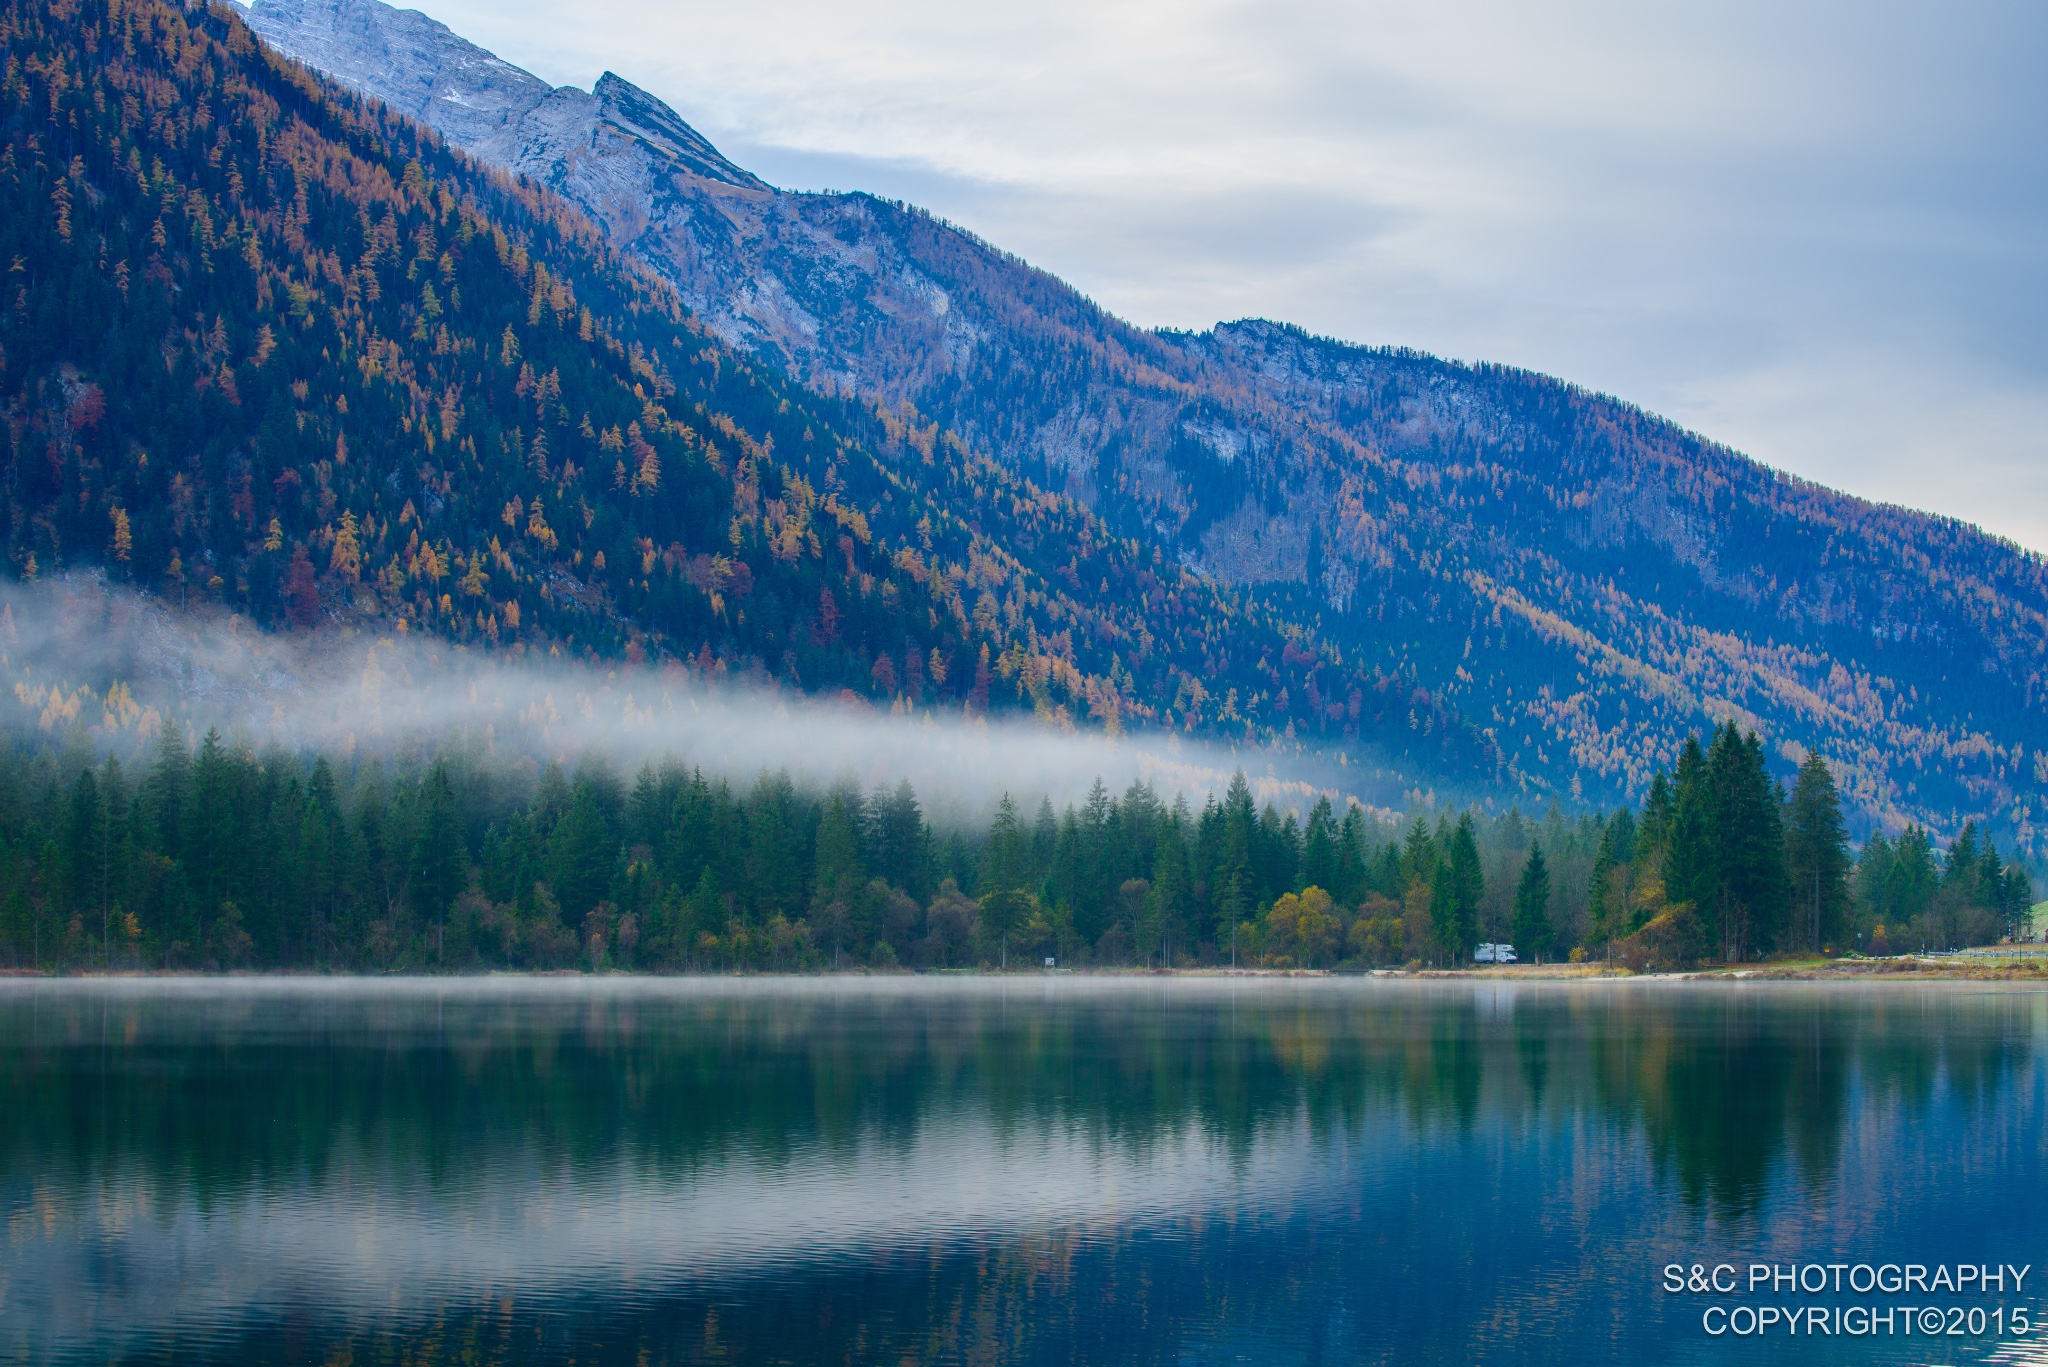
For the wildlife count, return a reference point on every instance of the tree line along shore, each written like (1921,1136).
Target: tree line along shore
(208,856)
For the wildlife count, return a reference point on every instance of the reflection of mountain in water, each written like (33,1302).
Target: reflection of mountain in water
(948,1159)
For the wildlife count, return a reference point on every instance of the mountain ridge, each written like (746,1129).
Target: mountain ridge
(281,350)
(1586,583)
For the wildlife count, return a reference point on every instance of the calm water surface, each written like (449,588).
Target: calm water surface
(1056,1170)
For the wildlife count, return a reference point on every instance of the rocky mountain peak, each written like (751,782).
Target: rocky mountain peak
(632,110)
(482,104)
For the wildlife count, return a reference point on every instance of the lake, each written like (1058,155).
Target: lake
(1058,1169)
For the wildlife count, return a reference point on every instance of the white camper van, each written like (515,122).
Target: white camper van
(1494,954)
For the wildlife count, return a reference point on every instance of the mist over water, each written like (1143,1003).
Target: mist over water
(84,658)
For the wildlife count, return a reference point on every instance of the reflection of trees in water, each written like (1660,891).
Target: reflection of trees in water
(1723,1091)
(1730,1083)
(1725,1084)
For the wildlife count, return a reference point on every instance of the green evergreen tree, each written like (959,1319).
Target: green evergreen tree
(1467,886)
(1749,821)
(1692,873)
(1320,863)
(440,858)
(839,869)
(900,840)
(1002,914)
(1418,855)
(1613,909)
(1817,851)
(1045,836)
(1007,861)
(1170,893)
(1353,858)
(1443,916)
(580,856)
(1532,925)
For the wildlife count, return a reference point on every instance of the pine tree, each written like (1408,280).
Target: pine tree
(1608,910)
(440,860)
(580,854)
(1443,914)
(1532,925)
(1692,874)
(1319,856)
(1045,837)
(1418,855)
(1170,885)
(1817,850)
(1353,858)
(1766,889)
(1468,885)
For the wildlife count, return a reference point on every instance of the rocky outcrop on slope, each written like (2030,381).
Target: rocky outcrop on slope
(795,278)
(485,106)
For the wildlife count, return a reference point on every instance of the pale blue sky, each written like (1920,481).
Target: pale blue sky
(1814,231)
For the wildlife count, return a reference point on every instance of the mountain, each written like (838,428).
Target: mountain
(276,348)
(1586,582)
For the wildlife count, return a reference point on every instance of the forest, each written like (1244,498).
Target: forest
(199,854)
(275,351)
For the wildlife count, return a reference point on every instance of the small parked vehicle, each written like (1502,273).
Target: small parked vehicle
(1494,954)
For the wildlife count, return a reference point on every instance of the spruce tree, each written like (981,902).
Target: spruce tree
(1319,859)
(1443,914)
(1691,872)
(1817,851)
(1607,906)
(1532,927)
(1659,810)
(1007,859)
(440,857)
(1468,884)
(1353,858)
(1746,834)
(839,871)
(1418,856)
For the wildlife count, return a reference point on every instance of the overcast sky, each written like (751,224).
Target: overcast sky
(1818,232)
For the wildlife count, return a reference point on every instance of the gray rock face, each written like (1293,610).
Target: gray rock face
(485,106)
(797,279)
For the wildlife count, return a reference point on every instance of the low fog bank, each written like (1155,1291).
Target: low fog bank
(105,664)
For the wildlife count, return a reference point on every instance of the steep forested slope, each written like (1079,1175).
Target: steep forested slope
(1588,582)
(271,346)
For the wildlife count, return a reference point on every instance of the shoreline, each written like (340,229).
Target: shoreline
(1960,967)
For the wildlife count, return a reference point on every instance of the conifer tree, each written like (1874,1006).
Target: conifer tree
(1418,855)
(1532,925)
(1817,850)
(440,862)
(1691,871)
(1443,914)
(1608,909)
(1468,884)
(1319,855)
(1007,858)
(1352,857)
(1456,887)
(1003,913)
